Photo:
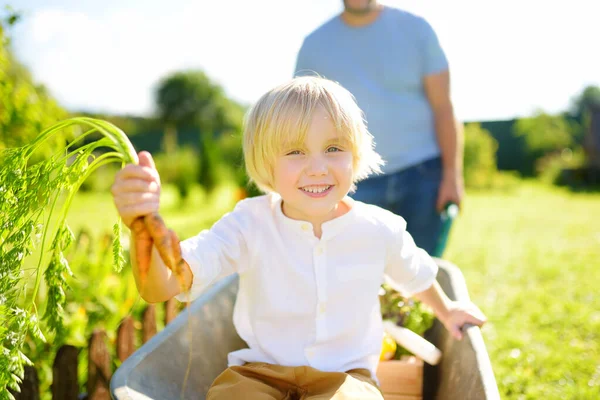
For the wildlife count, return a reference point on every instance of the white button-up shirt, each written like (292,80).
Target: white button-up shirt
(304,300)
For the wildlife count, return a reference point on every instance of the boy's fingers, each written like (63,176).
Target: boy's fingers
(146,160)
(133,185)
(476,320)
(131,171)
(456,332)
(476,316)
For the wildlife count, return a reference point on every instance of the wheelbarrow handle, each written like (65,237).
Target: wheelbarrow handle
(450,211)
(448,214)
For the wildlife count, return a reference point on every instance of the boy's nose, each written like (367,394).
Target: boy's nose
(317,166)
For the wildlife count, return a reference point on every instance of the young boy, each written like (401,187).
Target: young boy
(310,259)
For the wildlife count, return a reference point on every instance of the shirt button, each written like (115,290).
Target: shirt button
(322,308)
(305,227)
(310,353)
(319,250)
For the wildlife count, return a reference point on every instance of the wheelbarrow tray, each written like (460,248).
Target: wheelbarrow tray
(157,369)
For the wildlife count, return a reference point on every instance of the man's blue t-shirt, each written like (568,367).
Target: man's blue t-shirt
(383,65)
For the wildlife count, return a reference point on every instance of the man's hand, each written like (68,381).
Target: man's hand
(451,191)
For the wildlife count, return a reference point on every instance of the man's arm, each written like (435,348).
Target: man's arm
(449,135)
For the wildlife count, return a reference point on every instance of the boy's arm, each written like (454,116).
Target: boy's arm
(453,315)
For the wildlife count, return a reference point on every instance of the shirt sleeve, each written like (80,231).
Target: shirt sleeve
(435,60)
(216,252)
(409,269)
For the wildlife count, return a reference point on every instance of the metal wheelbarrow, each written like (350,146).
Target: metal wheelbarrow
(157,369)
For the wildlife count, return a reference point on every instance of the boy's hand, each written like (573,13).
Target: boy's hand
(461,313)
(136,190)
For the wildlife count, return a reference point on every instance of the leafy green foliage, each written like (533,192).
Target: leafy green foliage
(96,298)
(25,108)
(181,168)
(189,98)
(550,167)
(588,100)
(211,166)
(230,146)
(545,133)
(406,312)
(33,218)
(479,157)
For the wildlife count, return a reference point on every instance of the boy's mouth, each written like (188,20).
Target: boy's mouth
(316,190)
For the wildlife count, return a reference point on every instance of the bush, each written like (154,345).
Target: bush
(546,134)
(182,169)
(480,166)
(550,167)
(232,154)
(213,168)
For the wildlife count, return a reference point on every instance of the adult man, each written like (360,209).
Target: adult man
(393,64)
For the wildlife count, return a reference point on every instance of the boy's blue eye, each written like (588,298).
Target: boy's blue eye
(333,149)
(294,152)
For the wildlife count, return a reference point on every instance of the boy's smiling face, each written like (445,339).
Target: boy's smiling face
(313,178)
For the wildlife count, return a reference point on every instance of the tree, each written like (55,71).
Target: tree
(25,108)
(479,156)
(189,99)
(544,133)
(588,100)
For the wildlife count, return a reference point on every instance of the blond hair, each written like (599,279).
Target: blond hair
(282,116)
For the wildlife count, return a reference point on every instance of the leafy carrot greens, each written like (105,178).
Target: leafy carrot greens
(34,200)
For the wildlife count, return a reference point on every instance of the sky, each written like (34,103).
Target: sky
(507,58)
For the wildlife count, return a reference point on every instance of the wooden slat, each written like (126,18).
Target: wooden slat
(65,380)
(125,339)
(149,323)
(98,367)
(30,387)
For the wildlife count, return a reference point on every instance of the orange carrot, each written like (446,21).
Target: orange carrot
(149,230)
(143,248)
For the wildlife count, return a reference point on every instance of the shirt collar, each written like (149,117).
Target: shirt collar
(305,228)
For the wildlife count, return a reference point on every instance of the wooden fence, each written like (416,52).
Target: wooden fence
(65,381)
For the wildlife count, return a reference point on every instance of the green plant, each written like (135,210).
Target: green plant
(479,157)
(36,196)
(181,168)
(211,168)
(544,134)
(405,312)
(97,299)
(550,167)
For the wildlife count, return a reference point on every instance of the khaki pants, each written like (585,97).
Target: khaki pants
(262,381)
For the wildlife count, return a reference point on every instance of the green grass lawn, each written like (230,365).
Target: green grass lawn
(531,259)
